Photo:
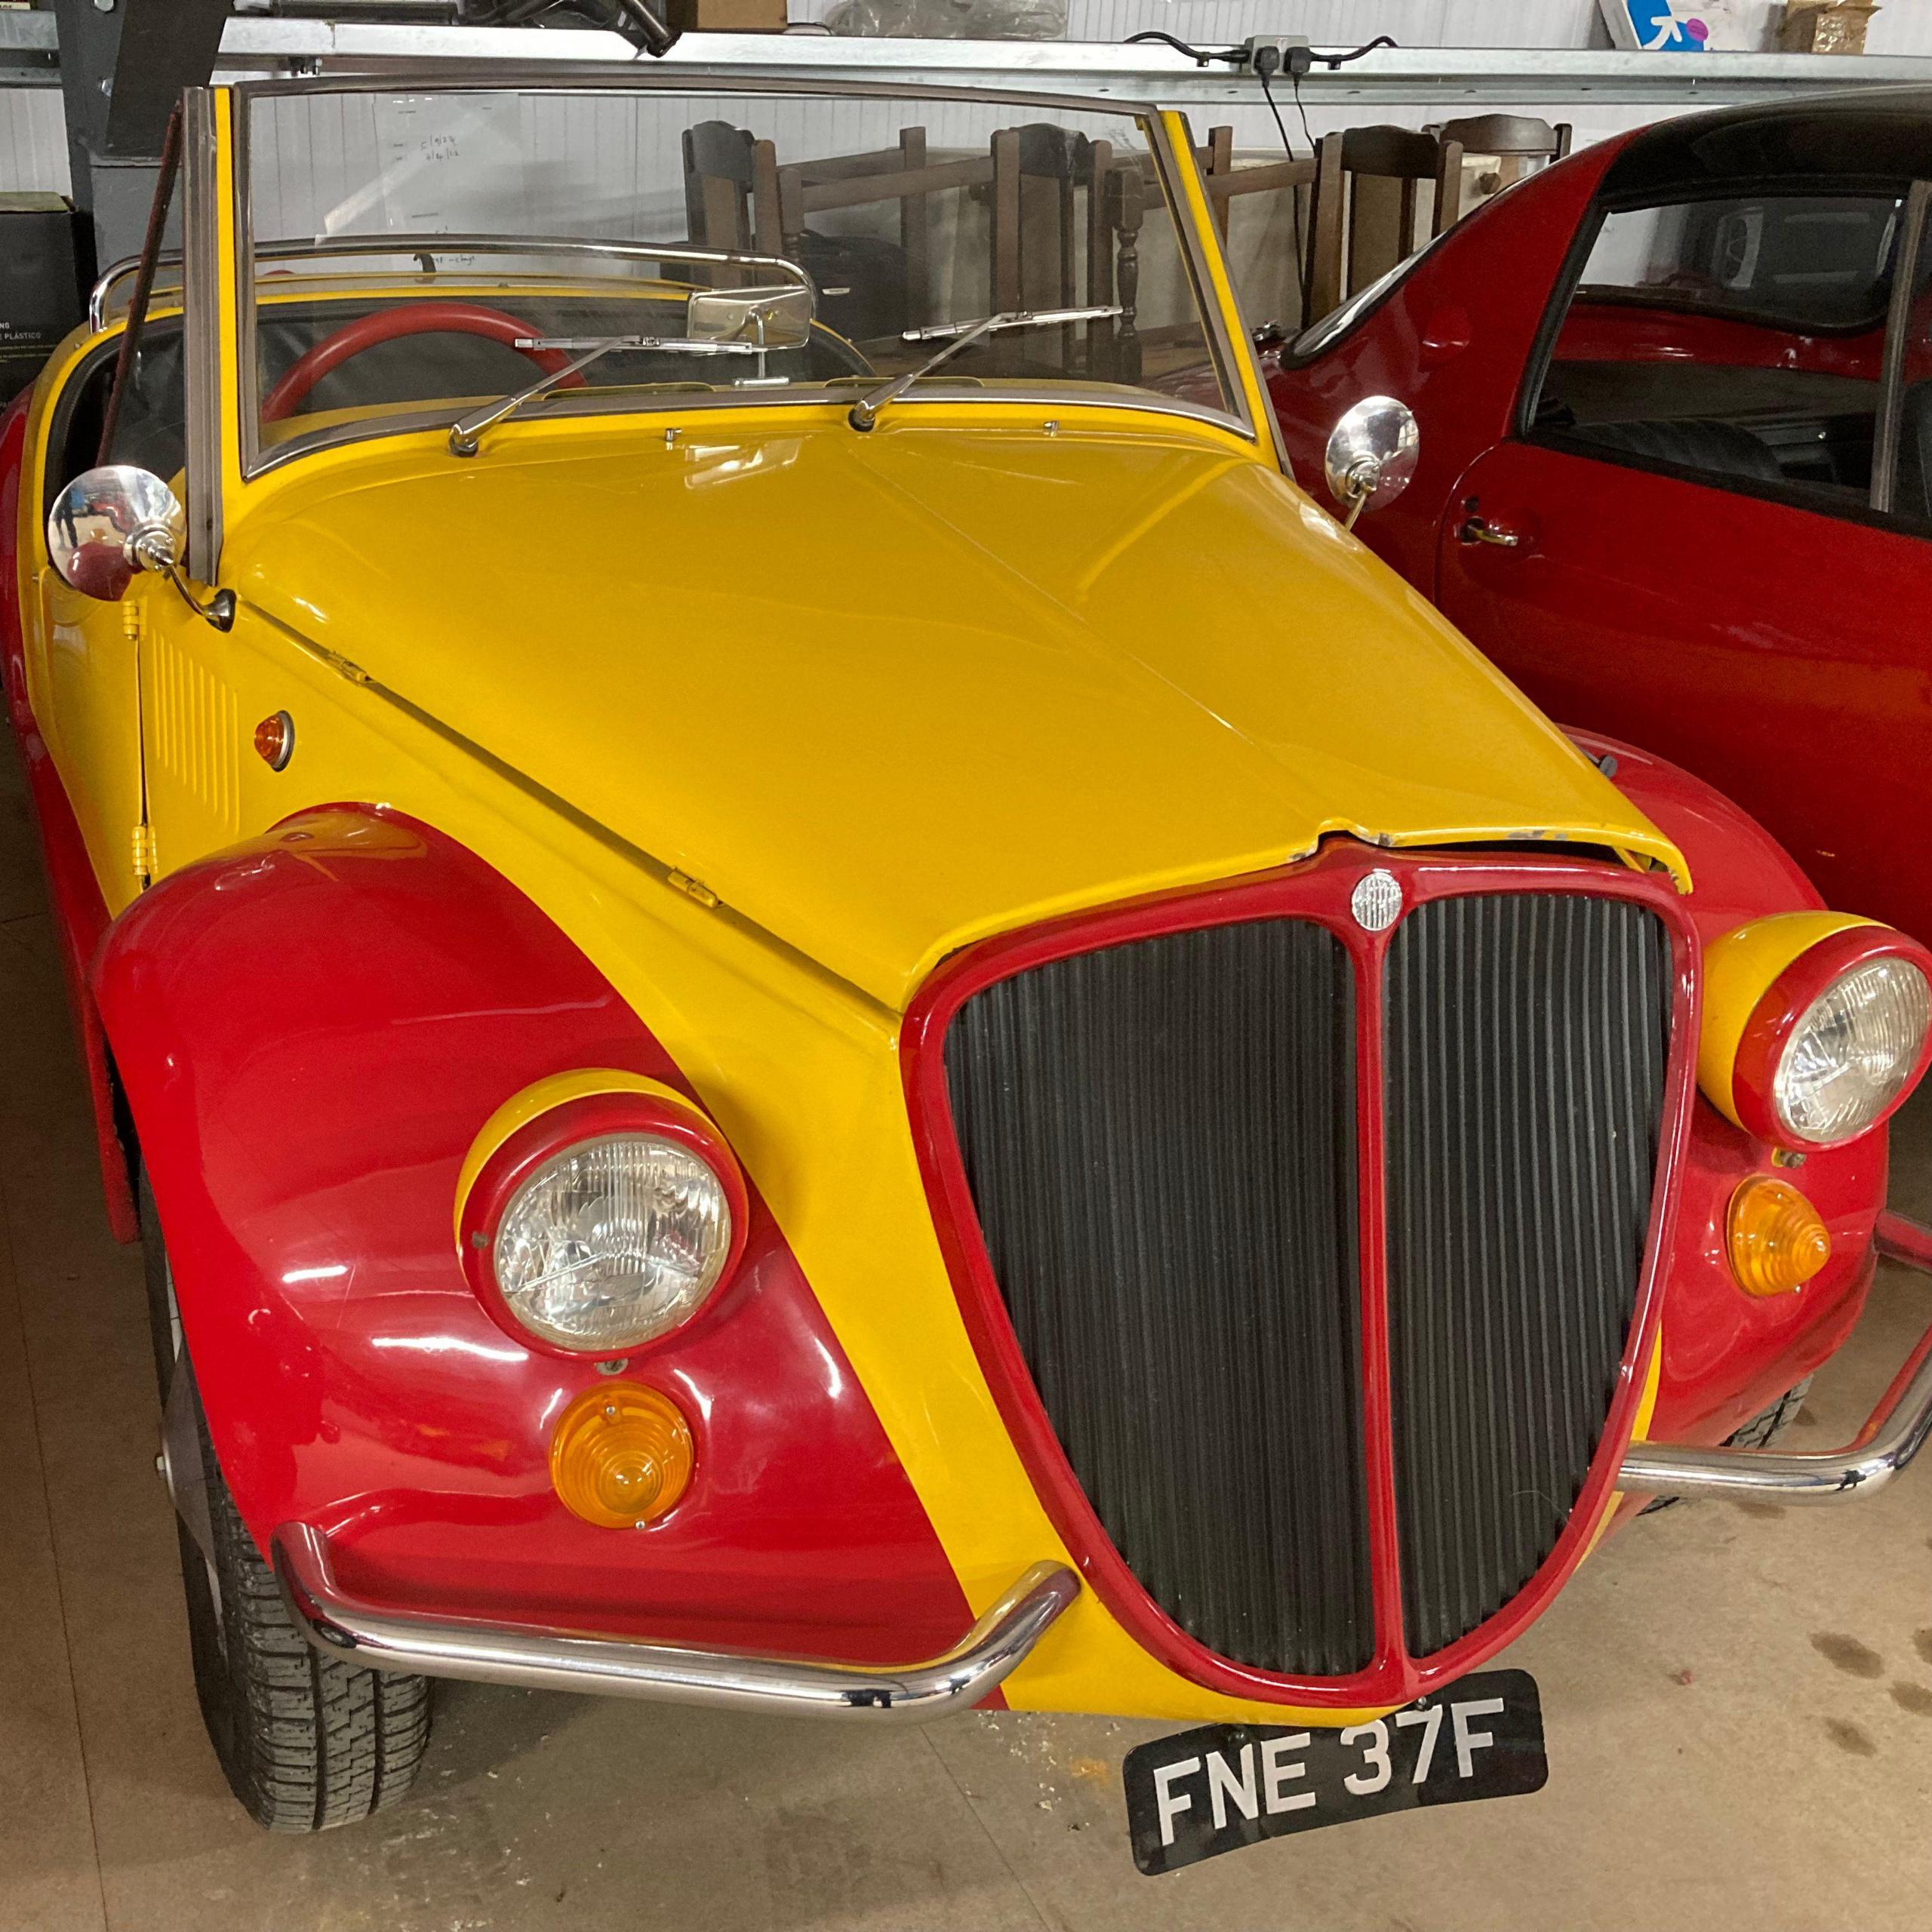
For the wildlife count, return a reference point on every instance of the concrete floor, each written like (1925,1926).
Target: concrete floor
(1739,1699)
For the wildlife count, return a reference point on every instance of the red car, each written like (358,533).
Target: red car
(1671,458)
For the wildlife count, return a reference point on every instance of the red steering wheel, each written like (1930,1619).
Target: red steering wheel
(387,325)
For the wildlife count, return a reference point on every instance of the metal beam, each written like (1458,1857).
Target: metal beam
(123,64)
(29,55)
(1435,77)
(1389,77)
(165,46)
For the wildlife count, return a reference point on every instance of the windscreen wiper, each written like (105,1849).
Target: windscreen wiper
(957,336)
(466,432)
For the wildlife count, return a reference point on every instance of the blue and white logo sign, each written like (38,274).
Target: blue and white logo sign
(1661,26)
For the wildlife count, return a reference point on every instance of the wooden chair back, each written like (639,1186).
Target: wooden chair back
(1519,141)
(1066,219)
(1374,187)
(730,193)
(1066,215)
(1227,181)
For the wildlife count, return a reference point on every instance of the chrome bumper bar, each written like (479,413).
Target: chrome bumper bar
(338,1626)
(1893,1433)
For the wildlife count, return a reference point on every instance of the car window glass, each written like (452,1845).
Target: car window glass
(1741,337)
(904,214)
(151,431)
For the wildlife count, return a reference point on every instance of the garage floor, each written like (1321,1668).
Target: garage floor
(1739,1699)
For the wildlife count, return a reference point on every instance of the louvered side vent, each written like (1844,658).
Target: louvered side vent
(1160,1140)
(1527,1036)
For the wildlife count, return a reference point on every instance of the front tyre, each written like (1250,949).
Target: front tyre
(1760,1432)
(305,1741)
(1764,1427)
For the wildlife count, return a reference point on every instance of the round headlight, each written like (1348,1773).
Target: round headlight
(596,1222)
(613,1242)
(1853,1052)
(1836,1026)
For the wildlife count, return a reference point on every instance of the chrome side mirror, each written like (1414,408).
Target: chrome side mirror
(1372,454)
(110,522)
(767,317)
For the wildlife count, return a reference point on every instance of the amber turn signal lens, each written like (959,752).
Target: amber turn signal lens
(274,740)
(622,1455)
(1777,1242)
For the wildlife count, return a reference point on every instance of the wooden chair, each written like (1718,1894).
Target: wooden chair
(1368,197)
(1517,141)
(1228,180)
(900,174)
(730,193)
(1066,213)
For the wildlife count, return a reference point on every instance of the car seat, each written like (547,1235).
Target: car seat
(1721,449)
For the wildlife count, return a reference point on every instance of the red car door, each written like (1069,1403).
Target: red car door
(1714,539)
(1781,654)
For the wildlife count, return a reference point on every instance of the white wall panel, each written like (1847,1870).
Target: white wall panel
(1338,24)
(322,159)
(33,141)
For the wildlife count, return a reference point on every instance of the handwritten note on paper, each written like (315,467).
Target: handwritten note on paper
(445,165)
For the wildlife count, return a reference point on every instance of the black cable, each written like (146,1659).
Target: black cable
(1294,193)
(1234,55)
(1332,61)
(1265,62)
(1301,108)
(1307,264)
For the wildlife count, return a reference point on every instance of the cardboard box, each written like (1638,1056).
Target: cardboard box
(726,15)
(1826,27)
(40,297)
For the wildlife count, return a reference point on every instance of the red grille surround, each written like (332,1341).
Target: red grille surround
(1318,890)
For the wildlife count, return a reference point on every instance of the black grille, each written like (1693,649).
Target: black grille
(1526,1037)
(1160,1141)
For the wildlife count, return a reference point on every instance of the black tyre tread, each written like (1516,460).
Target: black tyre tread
(306,1742)
(1760,1432)
(1764,1427)
(316,1742)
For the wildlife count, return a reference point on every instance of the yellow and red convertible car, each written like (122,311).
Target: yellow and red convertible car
(810,1002)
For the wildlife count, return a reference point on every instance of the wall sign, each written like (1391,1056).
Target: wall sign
(1679,27)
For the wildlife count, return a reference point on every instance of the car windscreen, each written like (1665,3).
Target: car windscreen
(430,250)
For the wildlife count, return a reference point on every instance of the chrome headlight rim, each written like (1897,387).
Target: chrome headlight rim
(1786,1009)
(569,1128)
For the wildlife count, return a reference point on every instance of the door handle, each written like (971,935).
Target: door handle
(1476,529)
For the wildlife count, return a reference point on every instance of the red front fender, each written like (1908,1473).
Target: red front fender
(1726,1355)
(311,1028)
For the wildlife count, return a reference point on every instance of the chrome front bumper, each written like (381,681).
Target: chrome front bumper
(338,1626)
(1893,1433)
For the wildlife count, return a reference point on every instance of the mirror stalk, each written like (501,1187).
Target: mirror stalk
(152,547)
(1358,486)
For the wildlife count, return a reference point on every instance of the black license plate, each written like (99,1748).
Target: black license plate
(1202,1792)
